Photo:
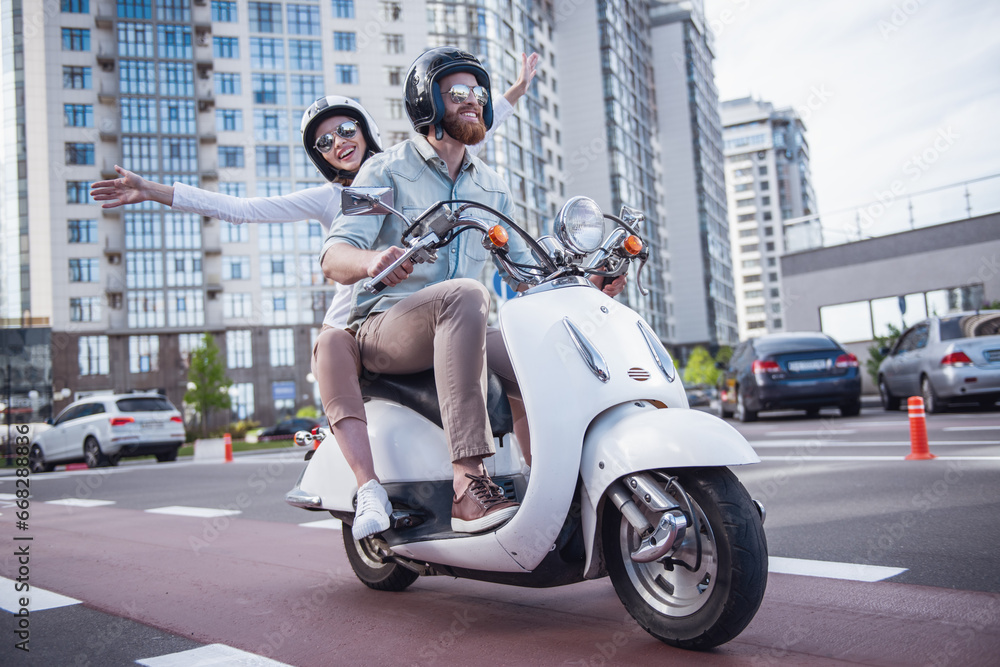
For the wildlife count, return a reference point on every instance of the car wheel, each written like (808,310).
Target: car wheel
(742,413)
(92,454)
(852,409)
(889,402)
(931,402)
(723,413)
(37,462)
(164,457)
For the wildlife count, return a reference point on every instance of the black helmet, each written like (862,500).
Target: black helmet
(337,105)
(424,105)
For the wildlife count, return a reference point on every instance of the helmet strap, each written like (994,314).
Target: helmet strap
(439,131)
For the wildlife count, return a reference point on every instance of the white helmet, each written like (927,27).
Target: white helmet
(337,105)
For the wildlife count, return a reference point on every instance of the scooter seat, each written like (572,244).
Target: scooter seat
(419,393)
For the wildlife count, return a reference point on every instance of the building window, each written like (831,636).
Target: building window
(265,16)
(306,88)
(76,77)
(281,307)
(232,233)
(239,349)
(83,231)
(267,53)
(227,83)
(393,43)
(233,188)
(765,201)
(392,11)
(229,120)
(750,247)
(270,125)
(235,268)
(135,9)
(231,157)
(347,74)
(143,270)
(142,231)
(746,217)
(184,269)
(344,41)
(138,116)
(141,153)
(268,88)
(242,396)
(180,154)
(93,355)
(75,6)
(85,270)
(764,186)
(767,215)
(146,310)
(78,115)
(185,308)
(78,192)
(277,270)
(79,153)
(173,10)
(282,347)
(343,9)
(276,238)
(75,39)
(772,277)
(237,305)
(178,117)
(303,20)
(176,79)
(143,354)
(137,77)
(769,246)
(272,161)
(85,309)
(136,40)
(174,41)
(225,47)
(310,272)
(394,75)
(754,278)
(305,54)
(224,11)
(182,231)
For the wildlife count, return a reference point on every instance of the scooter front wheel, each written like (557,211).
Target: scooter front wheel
(371,569)
(707,600)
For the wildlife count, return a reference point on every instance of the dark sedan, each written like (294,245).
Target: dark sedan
(288,427)
(789,371)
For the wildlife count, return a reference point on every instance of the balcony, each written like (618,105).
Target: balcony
(106,59)
(207,138)
(105,18)
(106,97)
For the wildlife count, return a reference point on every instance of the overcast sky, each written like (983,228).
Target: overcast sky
(897,95)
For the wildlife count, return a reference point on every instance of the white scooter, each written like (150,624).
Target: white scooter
(626,480)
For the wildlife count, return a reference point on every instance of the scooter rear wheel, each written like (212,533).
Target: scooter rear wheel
(371,569)
(713,604)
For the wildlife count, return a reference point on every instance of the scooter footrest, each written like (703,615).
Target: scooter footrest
(405,519)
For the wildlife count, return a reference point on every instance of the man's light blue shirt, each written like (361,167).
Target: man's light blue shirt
(419,178)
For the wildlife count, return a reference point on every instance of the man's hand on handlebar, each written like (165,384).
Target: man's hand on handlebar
(612,288)
(384,259)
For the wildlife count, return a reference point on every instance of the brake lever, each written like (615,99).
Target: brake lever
(420,252)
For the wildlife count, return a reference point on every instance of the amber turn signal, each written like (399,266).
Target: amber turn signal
(633,245)
(498,235)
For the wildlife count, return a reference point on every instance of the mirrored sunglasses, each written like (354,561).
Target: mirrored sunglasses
(460,93)
(347,130)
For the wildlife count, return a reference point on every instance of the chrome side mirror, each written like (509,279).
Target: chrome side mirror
(366,201)
(633,218)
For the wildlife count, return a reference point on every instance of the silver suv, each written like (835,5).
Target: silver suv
(100,430)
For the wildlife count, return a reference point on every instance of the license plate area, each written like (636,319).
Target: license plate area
(992,355)
(808,365)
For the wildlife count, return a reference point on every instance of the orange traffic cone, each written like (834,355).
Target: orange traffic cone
(227,439)
(919,450)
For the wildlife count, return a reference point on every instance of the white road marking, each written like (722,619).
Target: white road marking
(199,512)
(867,443)
(831,570)
(211,655)
(971,428)
(8,496)
(39,599)
(332,524)
(80,502)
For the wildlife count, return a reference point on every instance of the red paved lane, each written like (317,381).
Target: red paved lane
(287,592)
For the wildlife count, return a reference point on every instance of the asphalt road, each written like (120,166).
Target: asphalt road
(842,503)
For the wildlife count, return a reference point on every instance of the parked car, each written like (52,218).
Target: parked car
(946,359)
(288,427)
(797,371)
(101,430)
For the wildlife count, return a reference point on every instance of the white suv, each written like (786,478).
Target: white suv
(100,430)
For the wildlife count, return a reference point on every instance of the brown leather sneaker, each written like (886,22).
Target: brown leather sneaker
(481,507)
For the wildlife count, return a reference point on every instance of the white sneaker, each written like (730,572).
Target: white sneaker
(372,515)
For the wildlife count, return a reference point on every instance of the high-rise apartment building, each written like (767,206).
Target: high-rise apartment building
(768,181)
(693,179)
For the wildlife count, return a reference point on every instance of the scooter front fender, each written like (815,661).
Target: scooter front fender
(637,436)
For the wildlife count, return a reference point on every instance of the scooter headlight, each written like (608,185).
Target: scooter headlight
(580,225)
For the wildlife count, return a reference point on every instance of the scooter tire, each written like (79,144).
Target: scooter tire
(373,572)
(733,574)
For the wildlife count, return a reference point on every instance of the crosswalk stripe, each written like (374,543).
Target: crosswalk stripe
(216,655)
(80,502)
(332,524)
(199,512)
(39,599)
(832,570)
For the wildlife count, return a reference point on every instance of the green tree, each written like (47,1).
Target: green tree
(309,412)
(700,368)
(875,355)
(724,354)
(208,386)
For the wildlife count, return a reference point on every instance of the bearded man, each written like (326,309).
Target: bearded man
(434,314)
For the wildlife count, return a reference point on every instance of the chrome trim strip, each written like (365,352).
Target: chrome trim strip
(655,347)
(559,283)
(594,360)
(299,498)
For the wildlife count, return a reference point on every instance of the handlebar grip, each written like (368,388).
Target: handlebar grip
(374,287)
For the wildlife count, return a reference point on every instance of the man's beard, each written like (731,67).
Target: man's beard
(469,134)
